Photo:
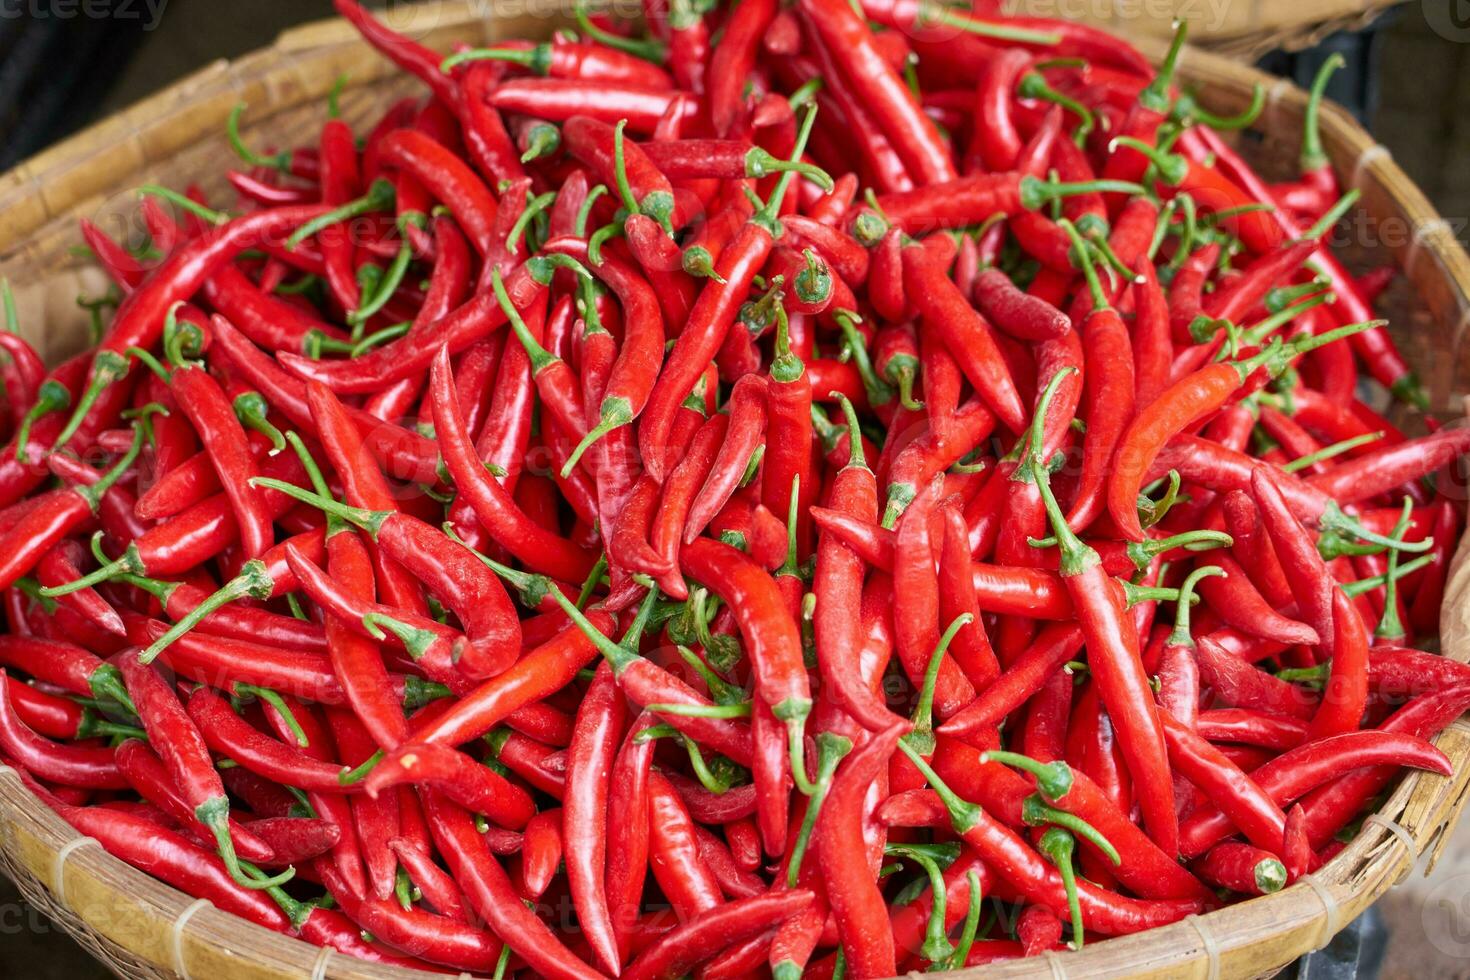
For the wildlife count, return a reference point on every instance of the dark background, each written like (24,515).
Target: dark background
(1408,79)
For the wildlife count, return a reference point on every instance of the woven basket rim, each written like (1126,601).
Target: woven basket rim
(1263,26)
(302,66)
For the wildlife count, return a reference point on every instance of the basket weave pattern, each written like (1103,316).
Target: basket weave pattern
(1239,29)
(142,928)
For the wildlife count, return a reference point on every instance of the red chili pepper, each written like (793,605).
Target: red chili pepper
(1187,401)
(1374,347)
(541,853)
(450,570)
(857,903)
(1013,860)
(53,517)
(584,824)
(186,756)
(173,859)
(567,57)
(680,872)
(680,949)
(628,830)
(1144,868)
(140,319)
(1111,637)
(1107,392)
(433,938)
(202,399)
(542,551)
(459,777)
(558,100)
(1240,683)
(233,737)
(147,774)
(731,61)
(1304,768)
(1022,678)
(1242,868)
(1334,803)
(87,767)
(709,321)
(540,672)
(1236,601)
(406,53)
(964,332)
(771,636)
(844,33)
(742,436)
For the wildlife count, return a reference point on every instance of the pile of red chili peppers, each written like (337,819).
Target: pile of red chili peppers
(811,490)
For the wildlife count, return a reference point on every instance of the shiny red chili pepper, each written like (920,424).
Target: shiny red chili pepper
(558,100)
(1304,768)
(140,319)
(964,332)
(844,33)
(568,57)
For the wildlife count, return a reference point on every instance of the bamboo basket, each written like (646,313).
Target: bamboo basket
(142,928)
(1239,29)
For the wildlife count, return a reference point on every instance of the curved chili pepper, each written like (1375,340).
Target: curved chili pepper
(1188,400)
(55,516)
(772,640)
(1241,684)
(462,779)
(541,550)
(539,673)
(185,754)
(1298,770)
(202,399)
(147,774)
(233,737)
(680,872)
(57,762)
(742,436)
(140,319)
(566,57)
(433,938)
(173,859)
(857,904)
(731,61)
(1238,603)
(844,33)
(1014,860)
(450,569)
(837,583)
(61,564)
(709,321)
(628,830)
(995,144)
(964,332)
(699,939)
(584,821)
(1112,640)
